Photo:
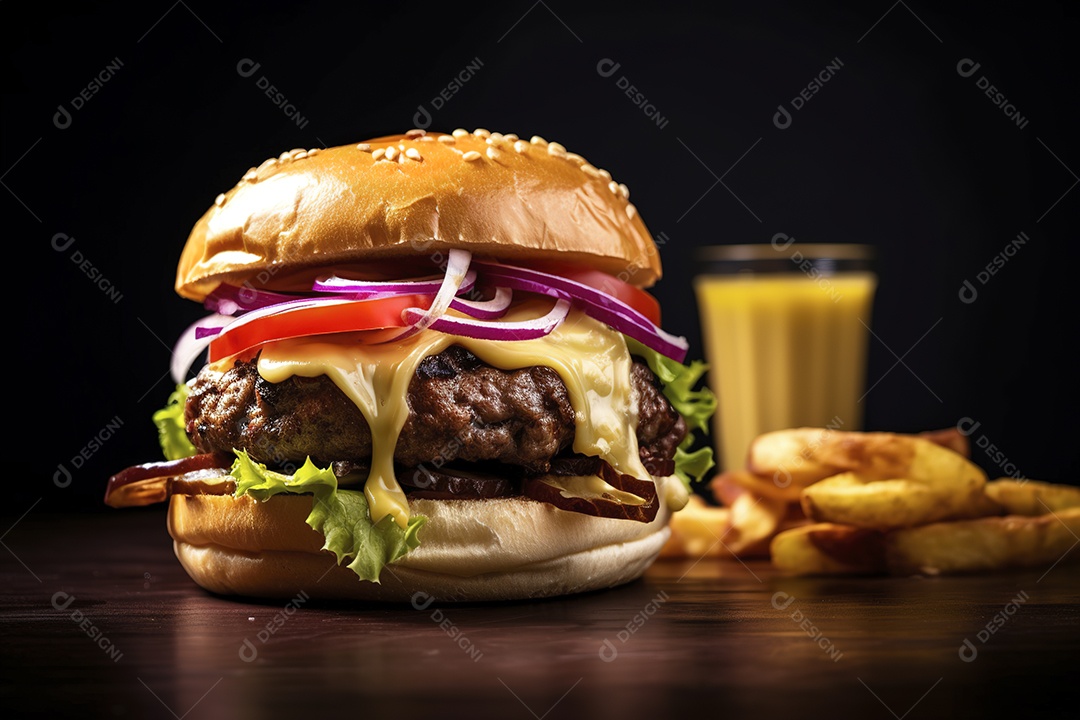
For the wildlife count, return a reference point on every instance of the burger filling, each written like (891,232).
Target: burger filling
(581,417)
(467,419)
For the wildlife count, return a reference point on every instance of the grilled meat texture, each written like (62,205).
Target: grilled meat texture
(460,409)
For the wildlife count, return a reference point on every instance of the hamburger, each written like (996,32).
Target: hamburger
(430,364)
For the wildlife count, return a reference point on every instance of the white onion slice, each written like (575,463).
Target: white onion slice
(485,309)
(368,290)
(457,268)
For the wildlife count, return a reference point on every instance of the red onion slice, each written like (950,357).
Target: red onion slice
(485,309)
(229,300)
(595,303)
(495,330)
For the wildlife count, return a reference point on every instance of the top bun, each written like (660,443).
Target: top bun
(390,198)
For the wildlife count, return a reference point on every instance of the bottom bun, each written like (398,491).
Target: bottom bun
(470,550)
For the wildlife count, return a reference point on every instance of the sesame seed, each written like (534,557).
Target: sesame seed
(314,151)
(401,158)
(426,138)
(284,157)
(481,132)
(447,139)
(613,187)
(413,154)
(377,155)
(265,169)
(460,132)
(624,191)
(556,149)
(391,152)
(415,133)
(471,155)
(250,176)
(219,200)
(575,158)
(510,137)
(590,170)
(300,155)
(495,137)
(363,147)
(605,174)
(537,140)
(520,146)
(297,152)
(492,153)
(631,211)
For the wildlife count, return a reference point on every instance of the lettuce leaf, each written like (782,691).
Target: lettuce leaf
(691,467)
(170,424)
(696,406)
(341,516)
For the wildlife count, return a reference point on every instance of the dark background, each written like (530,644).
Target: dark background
(897,149)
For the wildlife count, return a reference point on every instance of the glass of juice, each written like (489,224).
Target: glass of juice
(785,329)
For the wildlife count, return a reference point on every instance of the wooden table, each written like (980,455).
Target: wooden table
(99,620)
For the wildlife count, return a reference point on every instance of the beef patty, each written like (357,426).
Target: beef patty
(460,409)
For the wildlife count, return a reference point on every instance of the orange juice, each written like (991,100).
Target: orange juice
(785,349)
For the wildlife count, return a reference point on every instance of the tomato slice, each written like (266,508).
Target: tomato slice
(633,296)
(322,318)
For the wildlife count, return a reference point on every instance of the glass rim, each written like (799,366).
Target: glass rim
(769,251)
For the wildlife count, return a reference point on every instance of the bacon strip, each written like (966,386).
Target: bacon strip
(538,489)
(148,483)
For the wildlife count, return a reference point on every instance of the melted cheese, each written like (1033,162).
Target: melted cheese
(591,487)
(591,359)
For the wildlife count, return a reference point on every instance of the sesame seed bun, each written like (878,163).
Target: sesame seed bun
(501,197)
(238,546)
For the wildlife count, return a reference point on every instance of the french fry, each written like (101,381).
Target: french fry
(824,502)
(754,519)
(803,456)
(787,457)
(945,548)
(763,487)
(986,544)
(931,483)
(695,530)
(1032,497)
(828,549)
